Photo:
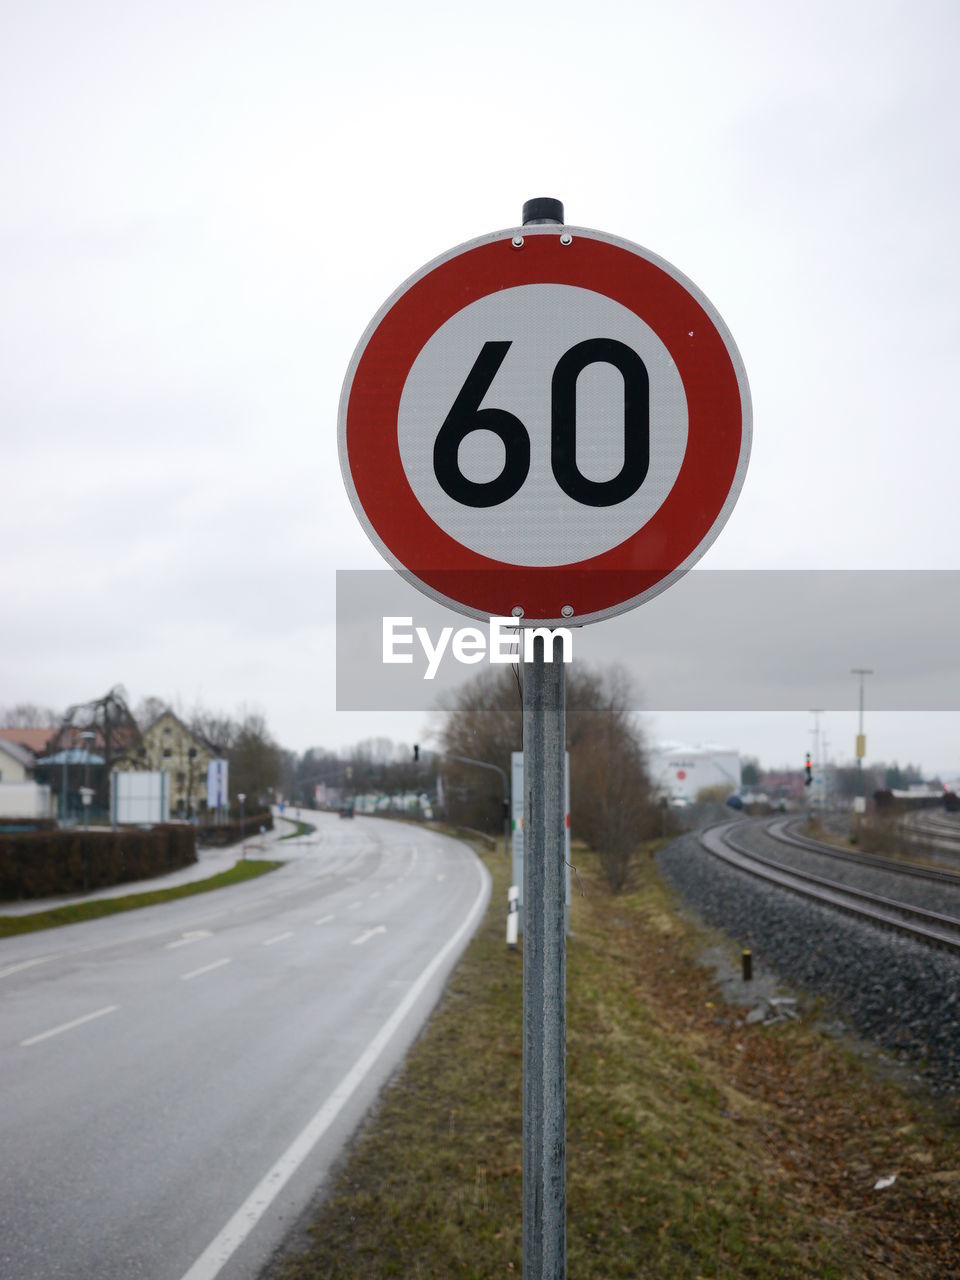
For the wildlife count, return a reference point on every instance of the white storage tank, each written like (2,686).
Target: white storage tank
(680,771)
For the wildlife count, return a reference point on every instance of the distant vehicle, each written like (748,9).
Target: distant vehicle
(346,810)
(734,802)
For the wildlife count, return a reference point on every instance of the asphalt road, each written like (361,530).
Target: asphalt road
(175,1082)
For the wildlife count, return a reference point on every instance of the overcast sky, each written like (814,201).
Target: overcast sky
(203,204)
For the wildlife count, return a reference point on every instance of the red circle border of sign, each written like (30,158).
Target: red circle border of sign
(679,531)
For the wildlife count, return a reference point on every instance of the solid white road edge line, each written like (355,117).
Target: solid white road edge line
(68,1026)
(207,968)
(223,1246)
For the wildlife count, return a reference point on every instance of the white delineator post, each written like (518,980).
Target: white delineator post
(513,915)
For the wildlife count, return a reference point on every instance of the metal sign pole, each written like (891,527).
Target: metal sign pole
(544,968)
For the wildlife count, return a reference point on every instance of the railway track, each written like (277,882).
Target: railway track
(782,829)
(935,830)
(931,927)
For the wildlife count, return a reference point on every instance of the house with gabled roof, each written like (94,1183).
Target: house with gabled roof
(169,746)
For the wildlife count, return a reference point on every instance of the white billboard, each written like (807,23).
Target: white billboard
(139,797)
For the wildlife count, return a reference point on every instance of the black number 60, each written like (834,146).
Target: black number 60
(466,415)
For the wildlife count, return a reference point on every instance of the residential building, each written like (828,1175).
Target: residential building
(169,745)
(16,762)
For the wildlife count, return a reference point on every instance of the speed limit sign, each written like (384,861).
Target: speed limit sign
(548,422)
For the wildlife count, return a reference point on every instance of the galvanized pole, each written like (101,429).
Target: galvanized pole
(544,939)
(544,968)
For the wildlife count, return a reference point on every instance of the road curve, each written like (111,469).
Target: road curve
(177,1081)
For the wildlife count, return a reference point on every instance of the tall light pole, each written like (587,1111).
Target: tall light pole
(861,740)
(817,712)
(87,737)
(485,764)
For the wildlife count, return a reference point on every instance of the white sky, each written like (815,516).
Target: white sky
(202,205)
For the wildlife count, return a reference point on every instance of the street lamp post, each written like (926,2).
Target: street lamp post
(817,712)
(86,795)
(485,764)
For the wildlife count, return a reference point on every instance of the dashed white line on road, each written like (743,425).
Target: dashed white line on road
(207,968)
(442,876)
(375,895)
(325,920)
(68,1026)
(370,933)
(194,935)
(24,964)
(280,937)
(353,906)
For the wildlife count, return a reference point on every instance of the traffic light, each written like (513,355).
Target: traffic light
(416,753)
(809,772)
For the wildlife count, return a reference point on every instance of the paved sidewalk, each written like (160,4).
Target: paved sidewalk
(210,862)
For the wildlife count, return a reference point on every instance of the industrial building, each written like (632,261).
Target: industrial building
(680,772)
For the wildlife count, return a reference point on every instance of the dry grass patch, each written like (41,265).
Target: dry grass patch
(696,1148)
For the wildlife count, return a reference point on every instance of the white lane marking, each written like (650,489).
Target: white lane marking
(219,1251)
(68,1026)
(442,876)
(192,935)
(370,933)
(279,938)
(24,964)
(353,906)
(374,895)
(325,920)
(206,968)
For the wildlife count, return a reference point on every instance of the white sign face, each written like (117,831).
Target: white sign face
(541,524)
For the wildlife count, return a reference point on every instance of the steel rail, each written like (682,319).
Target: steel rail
(929,927)
(779,829)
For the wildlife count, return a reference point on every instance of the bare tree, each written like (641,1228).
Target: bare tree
(148,710)
(115,732)
(611,803)
(483,721)
(28,715)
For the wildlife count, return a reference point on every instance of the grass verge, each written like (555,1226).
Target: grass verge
(300,829)
(76,912)
(697,1146)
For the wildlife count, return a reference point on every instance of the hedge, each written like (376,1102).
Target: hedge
(39,864)
(230,832)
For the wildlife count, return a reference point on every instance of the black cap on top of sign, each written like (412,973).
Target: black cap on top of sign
(542,209)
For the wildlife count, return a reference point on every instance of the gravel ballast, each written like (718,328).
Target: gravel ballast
(898,992)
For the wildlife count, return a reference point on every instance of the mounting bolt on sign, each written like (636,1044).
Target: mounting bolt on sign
(554,424)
